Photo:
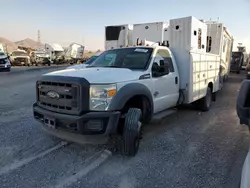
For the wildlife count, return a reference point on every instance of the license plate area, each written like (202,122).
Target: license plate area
(50,122)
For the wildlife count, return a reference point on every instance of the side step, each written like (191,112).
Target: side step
(163,114)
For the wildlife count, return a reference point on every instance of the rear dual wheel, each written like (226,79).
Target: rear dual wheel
(205,102)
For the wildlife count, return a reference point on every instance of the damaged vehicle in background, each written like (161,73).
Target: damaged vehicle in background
(40,58)
(4,62)
(20,58)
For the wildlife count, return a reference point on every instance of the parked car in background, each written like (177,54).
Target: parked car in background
(84,65)
(4,62)
(20,58)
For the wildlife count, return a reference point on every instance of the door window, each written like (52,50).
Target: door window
(165,56)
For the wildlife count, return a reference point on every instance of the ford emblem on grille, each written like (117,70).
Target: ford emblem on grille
(53,95)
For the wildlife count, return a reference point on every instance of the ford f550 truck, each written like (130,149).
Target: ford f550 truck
(126,87)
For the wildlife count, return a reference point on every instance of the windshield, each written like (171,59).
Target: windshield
(1,53)
(19,53)
(132,58)
(88,62)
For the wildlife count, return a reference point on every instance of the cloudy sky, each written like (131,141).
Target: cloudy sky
(83,21)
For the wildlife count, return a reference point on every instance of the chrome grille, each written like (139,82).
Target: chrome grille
(68,97)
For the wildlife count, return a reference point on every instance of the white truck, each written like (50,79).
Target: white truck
(20,58)
(124,88)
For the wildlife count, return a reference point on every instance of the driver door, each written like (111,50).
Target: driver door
(166,86)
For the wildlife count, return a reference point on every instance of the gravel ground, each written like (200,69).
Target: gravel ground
(186,149)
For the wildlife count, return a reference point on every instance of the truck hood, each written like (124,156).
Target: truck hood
(100,75)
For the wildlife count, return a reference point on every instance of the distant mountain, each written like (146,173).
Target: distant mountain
(29,43)
(10,45)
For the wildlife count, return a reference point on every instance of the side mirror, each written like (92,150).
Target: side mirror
(243,103)
(161,70)
(162,63)
(164,67)
(155,67)
(156,70)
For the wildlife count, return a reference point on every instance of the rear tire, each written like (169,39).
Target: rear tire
(205,102)
(132,132)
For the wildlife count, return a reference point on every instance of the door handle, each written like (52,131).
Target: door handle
(176,80)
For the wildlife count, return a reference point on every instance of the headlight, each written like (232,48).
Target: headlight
(101,96)
(7,62)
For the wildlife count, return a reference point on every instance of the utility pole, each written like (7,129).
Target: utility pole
(38,36)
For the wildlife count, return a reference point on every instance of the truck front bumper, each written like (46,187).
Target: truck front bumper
(91,127)
(5,67)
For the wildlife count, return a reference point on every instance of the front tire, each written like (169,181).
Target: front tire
(132,132)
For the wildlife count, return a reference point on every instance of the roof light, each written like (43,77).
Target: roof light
(147,44)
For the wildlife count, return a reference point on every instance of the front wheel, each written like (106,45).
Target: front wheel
(132,132)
